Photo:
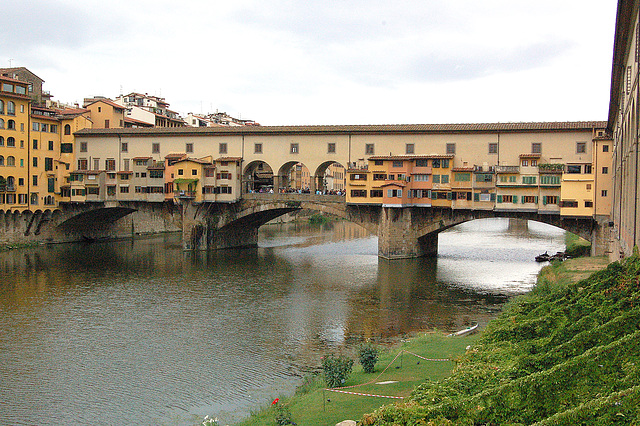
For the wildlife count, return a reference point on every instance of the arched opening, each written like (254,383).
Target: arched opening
(331,178)
(295,177)
(257,177)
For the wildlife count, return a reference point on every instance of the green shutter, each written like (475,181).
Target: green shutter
(449,196)
(434,195)
(499,198)
(544,200)
(536,199)
(476,196)
(515,199)
(493,197)
(468,196)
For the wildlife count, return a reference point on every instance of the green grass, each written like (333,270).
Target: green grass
(567,353)
(314,407)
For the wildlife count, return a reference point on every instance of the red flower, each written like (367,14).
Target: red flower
(275,401)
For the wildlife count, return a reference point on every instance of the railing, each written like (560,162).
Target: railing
(185,194)
(507,169)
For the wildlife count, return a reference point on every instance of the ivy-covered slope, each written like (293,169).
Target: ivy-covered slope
(560,355)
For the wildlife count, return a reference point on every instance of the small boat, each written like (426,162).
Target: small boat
(544,257)
(467,330)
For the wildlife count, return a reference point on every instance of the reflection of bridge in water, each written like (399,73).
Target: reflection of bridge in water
(402,232)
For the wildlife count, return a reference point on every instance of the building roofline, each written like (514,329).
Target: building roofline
(355,129)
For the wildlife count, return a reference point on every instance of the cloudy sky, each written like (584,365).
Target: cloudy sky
(325,62)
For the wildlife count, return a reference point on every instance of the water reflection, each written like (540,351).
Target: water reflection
(140,332)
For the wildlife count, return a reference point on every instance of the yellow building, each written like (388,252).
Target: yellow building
(14,150)
(106,114)
(45,158)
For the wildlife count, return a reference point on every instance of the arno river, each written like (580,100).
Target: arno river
(139,332)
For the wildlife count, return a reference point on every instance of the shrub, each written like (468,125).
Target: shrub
(368,356)
(336,369)
(283,416)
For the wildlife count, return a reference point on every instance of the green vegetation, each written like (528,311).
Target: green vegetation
(336,369)
(368,356)
(318,218)
(576,246)
(567,353)
(314,406)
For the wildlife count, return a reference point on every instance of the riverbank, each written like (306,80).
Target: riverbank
(307,407)
(399,370)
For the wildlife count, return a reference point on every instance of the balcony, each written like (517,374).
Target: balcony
(185,194)
(507,169)
(550,168)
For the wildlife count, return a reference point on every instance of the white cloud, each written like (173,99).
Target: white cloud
(336,61)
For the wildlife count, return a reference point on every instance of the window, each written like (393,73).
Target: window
(180,172)
(222,148)
(444,179)
(603,193)
(82,164)
(525,163)
(550,199)
(549,180)
(125,164)
(1,123)
(96,164)
(605,148)
(394,193)
(50,145)
(436,178)
(124,189)
(155,148)
(35,126)
(445,163)
(67,129)
(83,146)
(581,147)
(605,170)
(11,108)
(124,147)
(35,144)
(294,148)
(588,203)
(156,174)
(106,123)
(528,199)
(462,177)
(534,163)
(574,168)
(378,162)
(451,148)
(356,193)
(1,107)
(11,141)
(355,176)
(257,148)
(397,163)
(422,162)
(421,178)
(513,179)
(536,148)
(110,164)
(493,148)
(66,148)
(379,176)
(11,125)
(331,148)
(587,169)
(568,203)
(51,185)
(369,149)
(375,193)
(529,180)
(484,177)
(409,148)
(435,163)
(588,187)
(34,160)
(194,172)
(53,128)
(34,180)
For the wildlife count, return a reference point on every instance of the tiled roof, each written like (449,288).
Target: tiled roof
(229,159)
(175,155)
(360,129)
(142,158)
(409,157)
(462,169)
(108,102)
(530,155)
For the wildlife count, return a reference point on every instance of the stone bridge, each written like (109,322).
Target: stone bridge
(402,232)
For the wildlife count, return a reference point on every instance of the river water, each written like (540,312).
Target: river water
(139,332)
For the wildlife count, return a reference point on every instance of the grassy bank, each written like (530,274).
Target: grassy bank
(311,405)
(566,353)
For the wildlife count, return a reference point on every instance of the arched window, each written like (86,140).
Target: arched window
(1,123)
(1,141)
(11,161)
(11,108)
(34,198)
(11,125)
(1,106)
(11,181)
(11,141)
(67,129)
(1,160)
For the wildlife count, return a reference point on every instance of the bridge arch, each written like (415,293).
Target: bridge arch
(339,182)
(257,175)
